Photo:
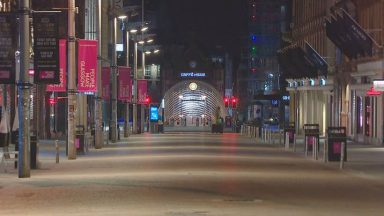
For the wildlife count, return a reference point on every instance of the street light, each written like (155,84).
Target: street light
(124,18)
(144,29)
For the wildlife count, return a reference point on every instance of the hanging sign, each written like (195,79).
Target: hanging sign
(62,86)
(87,66)
(125,88)
(46,48)
(141,91)
(105,82)
(373,92)
(7,48)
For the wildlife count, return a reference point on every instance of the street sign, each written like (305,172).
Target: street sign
(46,48)
(7,48)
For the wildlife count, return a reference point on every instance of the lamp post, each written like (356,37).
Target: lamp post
(72,107)
(98,106)
(24,168)
(113,121)
(137,40)
(126,31)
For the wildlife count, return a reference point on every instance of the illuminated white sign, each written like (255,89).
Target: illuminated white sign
(192,74)
(378,85)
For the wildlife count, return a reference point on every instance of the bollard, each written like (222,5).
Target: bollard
(281,132)
(287,141)
(313,148)
(270,136)
(325,149)
(306,147)
(241,129)
(294,142)
(342,155)
(57,151)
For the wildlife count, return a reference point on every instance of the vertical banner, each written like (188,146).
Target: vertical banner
(7,48)
(105,82)
(62,86)
(46,47)
(125,88)
(141,91)
(87,66)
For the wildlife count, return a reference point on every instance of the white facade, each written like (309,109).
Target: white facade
(366,111)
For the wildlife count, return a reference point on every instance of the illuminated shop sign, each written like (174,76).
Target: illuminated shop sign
(378,85)
(192,74)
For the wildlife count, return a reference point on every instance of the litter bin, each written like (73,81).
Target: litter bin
(336,136)
(33,143)
(80,138)
(291,132)
(311,136)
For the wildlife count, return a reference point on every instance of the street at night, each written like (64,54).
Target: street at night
(190,174)
(187,108)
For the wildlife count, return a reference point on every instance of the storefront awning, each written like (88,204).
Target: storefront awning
(348,35)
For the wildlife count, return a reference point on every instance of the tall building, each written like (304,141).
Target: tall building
(261,99)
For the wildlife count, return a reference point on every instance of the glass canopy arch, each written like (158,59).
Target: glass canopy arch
(193,98)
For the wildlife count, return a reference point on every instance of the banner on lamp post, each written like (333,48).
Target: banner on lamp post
(7,48)
(141,91)
(87,66)
(125,84)
(105,83)
(62,86)
(46,48)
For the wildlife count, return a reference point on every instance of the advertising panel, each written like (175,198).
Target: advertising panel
(7,48)
(141,91)
(62,86)
(46,48)
(87,66)
(125,87)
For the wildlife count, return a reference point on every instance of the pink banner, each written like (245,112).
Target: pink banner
(105,80)
(125,87)
(62,86)
(141,91)
(87,66)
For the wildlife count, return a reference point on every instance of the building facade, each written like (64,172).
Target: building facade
(348,35)
(262,99)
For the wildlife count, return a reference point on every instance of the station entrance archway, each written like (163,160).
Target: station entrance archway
(192,103)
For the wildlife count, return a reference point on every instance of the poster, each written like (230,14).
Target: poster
(7,48)
(87,66)
(62,85)
(141,91)
(125,84)
(46,48)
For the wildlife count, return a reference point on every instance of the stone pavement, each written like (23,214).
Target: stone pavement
(194,174)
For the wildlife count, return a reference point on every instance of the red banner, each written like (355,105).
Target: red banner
(105,82)
(141,91)
(87,66)
(62,86)
(125,84)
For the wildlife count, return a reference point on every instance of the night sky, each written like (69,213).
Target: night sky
(210,23)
